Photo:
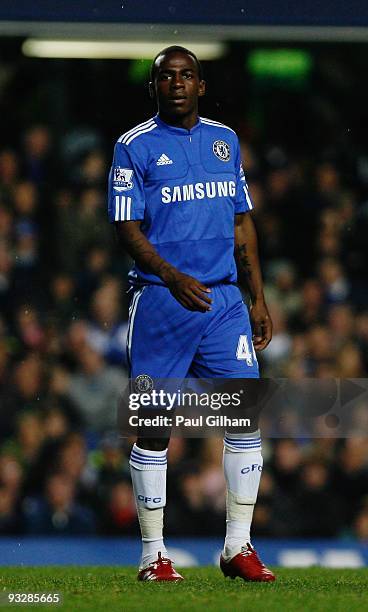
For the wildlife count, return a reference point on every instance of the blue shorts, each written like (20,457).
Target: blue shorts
(167,341)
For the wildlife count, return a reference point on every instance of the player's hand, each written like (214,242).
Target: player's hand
(261,324)
(189,292)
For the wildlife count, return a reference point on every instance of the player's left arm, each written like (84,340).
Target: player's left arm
(249,269)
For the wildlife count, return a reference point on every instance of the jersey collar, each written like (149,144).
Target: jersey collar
(177,130)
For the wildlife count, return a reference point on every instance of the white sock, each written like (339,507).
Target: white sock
(242,467)
(148,471)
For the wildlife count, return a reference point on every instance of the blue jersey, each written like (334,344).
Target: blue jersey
(185,186)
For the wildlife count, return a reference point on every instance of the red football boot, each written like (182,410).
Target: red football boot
(160,570)
(247,565)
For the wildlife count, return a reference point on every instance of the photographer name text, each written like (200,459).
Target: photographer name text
(181,421)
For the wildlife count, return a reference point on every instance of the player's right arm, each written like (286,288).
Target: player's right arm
(188,291)
(126,211)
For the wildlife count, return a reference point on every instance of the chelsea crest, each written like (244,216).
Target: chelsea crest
(222,150)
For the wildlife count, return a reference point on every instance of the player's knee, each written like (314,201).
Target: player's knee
(153,444)
(246,429)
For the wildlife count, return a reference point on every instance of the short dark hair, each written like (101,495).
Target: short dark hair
(175,49)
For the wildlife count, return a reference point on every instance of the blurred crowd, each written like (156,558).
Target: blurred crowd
(63,324)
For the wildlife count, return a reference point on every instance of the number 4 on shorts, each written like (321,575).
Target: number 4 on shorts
(243,351)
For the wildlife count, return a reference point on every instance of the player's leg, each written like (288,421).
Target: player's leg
(243,463)
(226,351)
(148,471)
(162,339)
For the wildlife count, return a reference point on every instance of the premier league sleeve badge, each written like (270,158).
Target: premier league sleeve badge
(122,179)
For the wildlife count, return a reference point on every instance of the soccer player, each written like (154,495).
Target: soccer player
(180,203)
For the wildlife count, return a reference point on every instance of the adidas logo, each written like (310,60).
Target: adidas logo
(163,160)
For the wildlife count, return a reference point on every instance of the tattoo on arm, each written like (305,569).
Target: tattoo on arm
(243,259)
(147,257)
(137,247)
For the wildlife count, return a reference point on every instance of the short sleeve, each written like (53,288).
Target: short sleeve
(243,202)
(126,200)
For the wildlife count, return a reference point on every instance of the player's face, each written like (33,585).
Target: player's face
(177,85)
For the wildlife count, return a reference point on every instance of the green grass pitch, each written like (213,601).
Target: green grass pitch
(110,589)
